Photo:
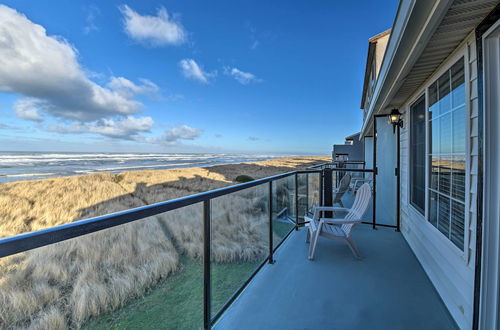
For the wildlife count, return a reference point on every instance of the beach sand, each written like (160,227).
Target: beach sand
(65,284)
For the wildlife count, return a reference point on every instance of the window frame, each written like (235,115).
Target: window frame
(462,51)
(410,125)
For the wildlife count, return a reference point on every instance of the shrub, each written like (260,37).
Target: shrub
(243,178)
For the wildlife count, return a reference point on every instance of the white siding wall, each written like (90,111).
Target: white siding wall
(450,270)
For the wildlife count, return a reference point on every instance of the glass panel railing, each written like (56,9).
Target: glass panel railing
(145,267)
(239,240)
(142,274)
(309,193)
(283,208)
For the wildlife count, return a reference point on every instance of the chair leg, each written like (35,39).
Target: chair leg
(312,246)
(353,247)
(308,235)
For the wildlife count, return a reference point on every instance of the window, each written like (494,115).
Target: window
(417,154)
(447,153)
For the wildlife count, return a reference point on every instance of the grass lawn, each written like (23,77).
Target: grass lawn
(177,302)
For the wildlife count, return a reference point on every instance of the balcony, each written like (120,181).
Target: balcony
(206,261)
(388,289)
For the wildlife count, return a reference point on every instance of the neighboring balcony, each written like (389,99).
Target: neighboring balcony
(232,258)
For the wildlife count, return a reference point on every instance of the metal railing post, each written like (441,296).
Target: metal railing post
(296,201)
(307,195)
(398,179)
(207,323)
(328,190)
(271,260)
(321,178)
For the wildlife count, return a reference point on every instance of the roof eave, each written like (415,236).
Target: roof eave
(369,59)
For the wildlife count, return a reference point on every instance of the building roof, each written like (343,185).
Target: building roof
(378,36)
(372,42)
(353,136)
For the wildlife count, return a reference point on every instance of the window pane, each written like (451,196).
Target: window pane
(444,175)
(458,178)
(433,98)
(444,215)
(417,142)
(448,127)
(457,224)
(433,203)
(459,130)
(457,84)
(435,136)
(444,93)
(435,173)
(445,133)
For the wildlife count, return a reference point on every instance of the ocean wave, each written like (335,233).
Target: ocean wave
(55,158)
(31,174)
(18,166)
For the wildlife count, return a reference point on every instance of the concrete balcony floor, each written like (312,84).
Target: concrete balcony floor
(388,289)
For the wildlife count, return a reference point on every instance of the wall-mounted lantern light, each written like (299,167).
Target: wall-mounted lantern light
(395,119)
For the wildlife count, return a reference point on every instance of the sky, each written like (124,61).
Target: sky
(265,77)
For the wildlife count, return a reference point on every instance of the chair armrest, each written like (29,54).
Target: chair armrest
(330,208)
(332,221)
(363,180)
(318,209)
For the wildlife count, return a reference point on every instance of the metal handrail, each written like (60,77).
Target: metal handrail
(28,241)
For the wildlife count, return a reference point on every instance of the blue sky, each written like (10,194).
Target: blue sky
(184,76)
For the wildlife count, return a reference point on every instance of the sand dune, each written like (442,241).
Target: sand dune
(65,284)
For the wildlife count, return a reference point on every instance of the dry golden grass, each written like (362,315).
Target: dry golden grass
(238,227)
(32,205)
(84,277)
(65,284)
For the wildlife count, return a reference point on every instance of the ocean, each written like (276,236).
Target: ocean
(16,166)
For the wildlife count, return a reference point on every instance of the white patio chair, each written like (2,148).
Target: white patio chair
(339,229)
(356,183)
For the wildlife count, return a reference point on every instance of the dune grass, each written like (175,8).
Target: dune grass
(69,283)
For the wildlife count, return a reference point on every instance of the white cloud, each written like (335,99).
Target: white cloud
(175,97)
(92,12)
(159,30)
(192,70)
(45,69)
(130,128)
(243,78)
(73,128)
(128,89)
(181,133)
(28,108)
(126,128)
(253,138)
